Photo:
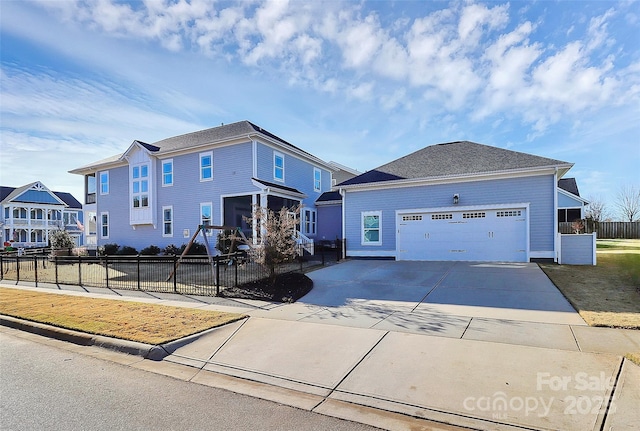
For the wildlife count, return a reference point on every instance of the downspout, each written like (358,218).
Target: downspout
(254,156)
(555,215)
(344,220)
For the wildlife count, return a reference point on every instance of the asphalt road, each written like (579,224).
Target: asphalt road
(45,388)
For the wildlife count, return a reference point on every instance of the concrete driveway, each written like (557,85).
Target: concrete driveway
(451,299)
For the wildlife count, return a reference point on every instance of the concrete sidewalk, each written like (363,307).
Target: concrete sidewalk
(477,384)
(483,379)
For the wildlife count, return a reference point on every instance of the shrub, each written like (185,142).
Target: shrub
(127,251)
(170,249)
(195,249)
(61,239)
(110,249)
(152,250)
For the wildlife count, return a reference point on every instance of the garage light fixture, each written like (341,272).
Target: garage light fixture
(456,198)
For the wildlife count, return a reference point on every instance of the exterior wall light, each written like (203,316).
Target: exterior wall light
(456,198)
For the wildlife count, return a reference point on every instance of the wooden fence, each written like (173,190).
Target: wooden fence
(610,230)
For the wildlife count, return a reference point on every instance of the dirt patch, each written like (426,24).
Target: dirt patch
(135,321)
(287,288)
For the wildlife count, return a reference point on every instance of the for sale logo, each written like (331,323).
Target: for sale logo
(587,394)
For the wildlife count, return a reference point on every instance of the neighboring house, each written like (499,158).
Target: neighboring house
(455,201)
(29,214)
(570,204)
(159,193)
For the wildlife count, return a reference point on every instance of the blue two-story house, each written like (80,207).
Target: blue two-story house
(159,193)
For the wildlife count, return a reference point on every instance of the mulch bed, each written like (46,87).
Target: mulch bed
(287,288)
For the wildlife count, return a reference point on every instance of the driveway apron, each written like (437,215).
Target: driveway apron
(434,296)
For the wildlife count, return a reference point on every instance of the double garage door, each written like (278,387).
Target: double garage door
(472,235)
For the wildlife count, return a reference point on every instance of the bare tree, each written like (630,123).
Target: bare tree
(628,202)
(597,209)
(277,236)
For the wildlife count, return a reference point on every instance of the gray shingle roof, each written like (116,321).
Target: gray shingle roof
(226,131)
(329,196)
(569,185)
(453,159)
(196,139)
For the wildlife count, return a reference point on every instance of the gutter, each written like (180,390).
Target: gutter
(408,182)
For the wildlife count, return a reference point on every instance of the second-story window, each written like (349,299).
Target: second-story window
(317,180)
(90,187)
(278,166)
(206,166)
(167,173)
(104,183)
(140,186)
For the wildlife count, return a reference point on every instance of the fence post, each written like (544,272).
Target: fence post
(79,270)
(217,275)
(1,267)
(106,269)
(175,273)
(138,278)
(235,263)
(17,269)
(55,262)
(35,268)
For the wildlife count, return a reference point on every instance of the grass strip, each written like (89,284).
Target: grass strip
(135,321)
(633,357)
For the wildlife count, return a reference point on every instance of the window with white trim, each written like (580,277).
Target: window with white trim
(206,166)
(278,166)
(371,227)
(206,213)
(317,180)
(167,221)
(104,225)
(104,183)
(167,173)
(309,221)
(140,186)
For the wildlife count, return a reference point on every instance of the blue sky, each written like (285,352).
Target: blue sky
(359,83)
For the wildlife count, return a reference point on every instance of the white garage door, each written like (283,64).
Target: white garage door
(475,235)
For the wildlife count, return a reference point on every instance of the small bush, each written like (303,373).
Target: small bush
(111,249)
(195,249)
(61,239)
(152,250)
(170,249)
(127,251)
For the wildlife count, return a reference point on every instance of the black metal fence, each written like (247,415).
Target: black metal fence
(194,275)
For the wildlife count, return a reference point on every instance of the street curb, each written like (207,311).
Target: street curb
(147,351)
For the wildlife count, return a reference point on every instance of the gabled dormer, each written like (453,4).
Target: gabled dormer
(142,194)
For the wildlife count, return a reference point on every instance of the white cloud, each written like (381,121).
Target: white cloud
(475,16)
(457,56)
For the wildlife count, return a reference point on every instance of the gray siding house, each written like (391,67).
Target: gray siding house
(159,193)
(455,201)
